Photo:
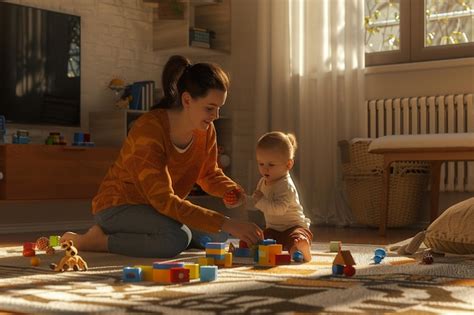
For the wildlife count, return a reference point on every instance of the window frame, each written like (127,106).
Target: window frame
(412,41)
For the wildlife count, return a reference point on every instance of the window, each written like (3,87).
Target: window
(400,31)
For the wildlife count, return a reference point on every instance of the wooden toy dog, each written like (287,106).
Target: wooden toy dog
(70,260)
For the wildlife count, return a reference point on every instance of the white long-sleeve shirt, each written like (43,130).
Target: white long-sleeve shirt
(280,204)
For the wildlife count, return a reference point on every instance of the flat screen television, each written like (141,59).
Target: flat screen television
(40,66)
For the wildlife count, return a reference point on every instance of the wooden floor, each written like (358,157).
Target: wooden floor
(321,234)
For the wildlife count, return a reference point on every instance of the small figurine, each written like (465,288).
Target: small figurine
(70,260)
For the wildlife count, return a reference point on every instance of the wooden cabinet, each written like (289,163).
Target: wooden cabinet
(171,31)
(35,171)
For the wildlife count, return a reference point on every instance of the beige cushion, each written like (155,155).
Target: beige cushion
(453,231)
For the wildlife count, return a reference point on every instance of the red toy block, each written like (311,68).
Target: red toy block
(29,253)
(179,274)
(243,244)
(29,245)
(282,259)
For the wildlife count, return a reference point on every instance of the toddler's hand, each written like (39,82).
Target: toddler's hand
(257,195)
(234,198)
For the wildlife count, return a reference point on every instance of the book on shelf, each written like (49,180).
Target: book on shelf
(142,95)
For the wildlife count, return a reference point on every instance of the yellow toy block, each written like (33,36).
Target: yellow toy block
(193,270)
(147,272)
(228,260)
(263,257)
(205,261)
(215,251)
(273,250)
(161,275)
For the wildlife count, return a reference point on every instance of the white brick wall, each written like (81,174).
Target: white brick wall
(116,40)
(116,37)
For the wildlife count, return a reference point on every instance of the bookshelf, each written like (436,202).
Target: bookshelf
(171,26)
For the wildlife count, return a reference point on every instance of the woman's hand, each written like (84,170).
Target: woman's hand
(245,231)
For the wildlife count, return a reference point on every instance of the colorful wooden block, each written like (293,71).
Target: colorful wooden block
(337,270)
(147,272)
(272,251)
(335,246)
(282,259)
(161,275)
(179,274)
(267,241)
(215,245)
(216,257)
(54,240)
(193,270)
(215,251)
(29,245)
(132,274)
(228,260)
(167,264)
(206,261)
(208,273)
(242,252)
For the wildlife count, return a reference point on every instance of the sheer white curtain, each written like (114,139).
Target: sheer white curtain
(310,81)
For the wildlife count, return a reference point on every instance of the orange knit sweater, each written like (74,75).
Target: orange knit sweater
(149,170)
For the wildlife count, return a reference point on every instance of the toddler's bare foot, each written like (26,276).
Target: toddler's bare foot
(302,245)
(94,240)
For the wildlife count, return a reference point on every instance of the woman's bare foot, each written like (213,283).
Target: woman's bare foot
(302,245)
(94,240)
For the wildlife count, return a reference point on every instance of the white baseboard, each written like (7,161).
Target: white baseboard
(45,226)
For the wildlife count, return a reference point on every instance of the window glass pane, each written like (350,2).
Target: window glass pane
(382,25)
(448,22)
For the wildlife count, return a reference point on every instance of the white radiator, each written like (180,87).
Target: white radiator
(428,115)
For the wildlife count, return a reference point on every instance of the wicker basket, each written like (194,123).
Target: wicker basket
(363,178)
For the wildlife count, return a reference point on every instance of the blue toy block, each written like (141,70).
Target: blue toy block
(267,241)
(242,252)
(337,270)
(167,265)
(380,252)
(204,240)
(215,245)
(132,274)
(208,273)
(216,257)
(298,256)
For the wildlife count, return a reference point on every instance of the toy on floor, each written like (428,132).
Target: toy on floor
(29,249)
(70,260)
(379,255)
(216,255)
(343,264)
(335,246)
(35,261)
(427,258)
(298,256)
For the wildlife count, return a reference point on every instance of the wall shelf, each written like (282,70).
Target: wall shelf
(171,35)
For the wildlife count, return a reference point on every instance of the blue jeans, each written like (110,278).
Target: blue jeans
(141,231)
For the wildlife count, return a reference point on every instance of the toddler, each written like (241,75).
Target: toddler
(276,195)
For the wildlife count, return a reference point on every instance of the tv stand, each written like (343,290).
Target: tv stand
(40,172)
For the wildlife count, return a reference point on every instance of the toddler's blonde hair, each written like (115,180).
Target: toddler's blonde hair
(283,142)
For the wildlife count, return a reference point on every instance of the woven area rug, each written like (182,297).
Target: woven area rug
(399,284)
